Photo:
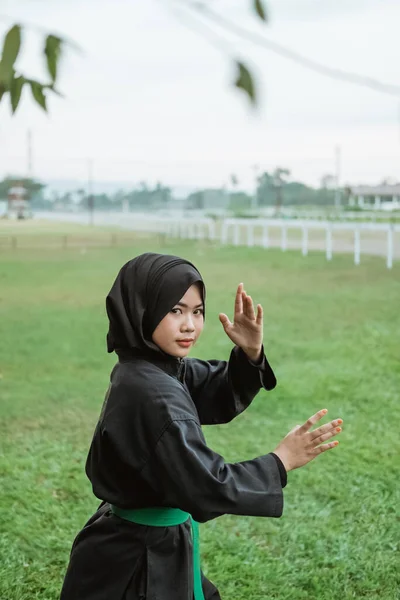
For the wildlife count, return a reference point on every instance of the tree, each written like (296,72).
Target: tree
(293,192)
(146,196)
(162,194)
(12,81)
(239,201)
(31,185)
(264,192)
(234,180)
(195,200)
(279,176)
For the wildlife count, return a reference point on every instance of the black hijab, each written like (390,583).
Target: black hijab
(145,290)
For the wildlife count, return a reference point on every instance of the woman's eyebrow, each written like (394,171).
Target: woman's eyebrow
(186,306)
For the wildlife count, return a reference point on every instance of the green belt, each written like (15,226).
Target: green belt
(165,517)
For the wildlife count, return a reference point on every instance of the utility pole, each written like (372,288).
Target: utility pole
(398,114)
(25,211)
(338,157)
(90,190)
(29,153)
(254,197)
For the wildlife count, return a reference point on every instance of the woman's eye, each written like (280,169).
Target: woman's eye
(197,311)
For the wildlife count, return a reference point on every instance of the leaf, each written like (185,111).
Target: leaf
(52,50)
(15,91)
(37,93)
(11,48)
(245,82)
(2,90)
(260,9)
(53,89)
(4,75)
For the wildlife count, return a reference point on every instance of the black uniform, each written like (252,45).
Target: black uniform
(148,450)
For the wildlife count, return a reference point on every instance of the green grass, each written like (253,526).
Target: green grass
(332,333)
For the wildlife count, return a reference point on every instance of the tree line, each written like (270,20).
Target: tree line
(272,189)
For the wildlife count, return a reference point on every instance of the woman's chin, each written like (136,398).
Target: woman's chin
(176,350)
(179,351)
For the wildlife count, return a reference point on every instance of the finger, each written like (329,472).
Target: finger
(250,308)
(295,428)
(225,320)
(238,300)
(325,447)
(260,314)
(325,428)
(314,419)
(322,438)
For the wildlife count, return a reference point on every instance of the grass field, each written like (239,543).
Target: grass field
(332,333)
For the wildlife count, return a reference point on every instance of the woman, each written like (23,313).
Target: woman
(149,462)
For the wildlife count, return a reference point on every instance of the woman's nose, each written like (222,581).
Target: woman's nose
(188,324)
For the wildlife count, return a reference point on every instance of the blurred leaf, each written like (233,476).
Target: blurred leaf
(54,90)
(11,47)
(5,75)
(260,9)
(2,90)
(15,91)
(245,82)
(52,50)
(37,93)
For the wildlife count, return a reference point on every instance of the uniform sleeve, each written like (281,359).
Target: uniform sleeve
(190,476)
(222,390)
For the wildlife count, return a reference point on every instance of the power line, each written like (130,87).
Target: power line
(308,63)
(191,22)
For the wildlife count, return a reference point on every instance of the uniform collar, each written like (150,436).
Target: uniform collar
(170,364)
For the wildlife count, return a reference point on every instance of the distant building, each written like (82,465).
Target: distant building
(385,196)
(18,202)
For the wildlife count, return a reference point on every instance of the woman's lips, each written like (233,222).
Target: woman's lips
(184,343)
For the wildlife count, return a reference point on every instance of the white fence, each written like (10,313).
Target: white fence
(231,229)
(256,232)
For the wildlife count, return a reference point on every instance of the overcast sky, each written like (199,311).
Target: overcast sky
(150,99)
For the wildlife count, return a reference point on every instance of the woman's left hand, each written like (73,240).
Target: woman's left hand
(246,331)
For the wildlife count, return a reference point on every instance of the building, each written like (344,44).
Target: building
(379,197)
(18,202)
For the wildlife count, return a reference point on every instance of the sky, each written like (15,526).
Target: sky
(150,95)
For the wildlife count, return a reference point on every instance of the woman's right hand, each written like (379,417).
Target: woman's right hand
(301,445)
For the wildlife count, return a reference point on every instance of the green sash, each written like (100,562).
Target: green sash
(165,517)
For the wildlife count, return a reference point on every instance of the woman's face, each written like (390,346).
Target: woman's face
(181,327)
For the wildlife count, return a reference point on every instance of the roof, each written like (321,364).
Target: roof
(376,190)
(17,190)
